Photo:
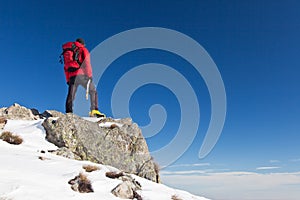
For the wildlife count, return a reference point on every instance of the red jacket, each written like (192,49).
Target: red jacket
(84,69)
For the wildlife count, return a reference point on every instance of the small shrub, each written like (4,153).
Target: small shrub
(90,168)
(43,158)
(81,184)
(157,169)
(11,138)
(113,126)
(175,197)
(114,174)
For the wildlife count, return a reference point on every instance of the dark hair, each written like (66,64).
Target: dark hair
(80,40)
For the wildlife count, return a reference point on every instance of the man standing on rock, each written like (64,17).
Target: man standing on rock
(78,71)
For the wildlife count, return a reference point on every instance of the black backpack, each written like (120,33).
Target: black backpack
(70,55)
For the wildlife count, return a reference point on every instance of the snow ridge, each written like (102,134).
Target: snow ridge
(29,172)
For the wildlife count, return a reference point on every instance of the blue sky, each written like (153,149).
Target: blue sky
(255,45)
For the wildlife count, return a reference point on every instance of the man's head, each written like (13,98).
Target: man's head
(80,40)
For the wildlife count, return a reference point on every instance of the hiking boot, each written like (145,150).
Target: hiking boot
(96,113)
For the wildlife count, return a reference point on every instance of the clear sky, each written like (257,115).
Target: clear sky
(254,44)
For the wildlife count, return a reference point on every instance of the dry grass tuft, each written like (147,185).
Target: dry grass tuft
(113,126)
(175,197)
(114,174)
(157,169)
(90,168)
(81,184)
(83,177)
(11,138)
(43,158)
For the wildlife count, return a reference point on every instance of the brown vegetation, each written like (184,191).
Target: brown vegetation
(43,158)
(81,184)
(157,169)
(113,126)
(11,138)
(175,197)
(90,168)
(114,174)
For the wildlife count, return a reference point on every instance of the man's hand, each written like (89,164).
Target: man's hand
(89,78)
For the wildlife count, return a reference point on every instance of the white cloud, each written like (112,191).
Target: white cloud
(193,172)
(274,161)
(295,160)
(267,168)
(191,165)
(238,185)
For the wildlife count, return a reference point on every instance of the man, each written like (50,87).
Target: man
(78,71)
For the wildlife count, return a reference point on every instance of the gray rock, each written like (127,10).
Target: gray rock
(65,152)
(3,122)
(122,147)
(124,190)
(17,112)
(51,113)
(128,188)
(2,111)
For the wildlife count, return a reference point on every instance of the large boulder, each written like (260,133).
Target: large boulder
(118,143)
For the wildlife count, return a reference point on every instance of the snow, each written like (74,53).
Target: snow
(26,177)
(109,124)
(103,124)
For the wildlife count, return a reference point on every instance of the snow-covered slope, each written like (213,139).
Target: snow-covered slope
(25,176)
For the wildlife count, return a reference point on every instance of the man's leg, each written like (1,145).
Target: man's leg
(93,96)
(71,95)
(83,81)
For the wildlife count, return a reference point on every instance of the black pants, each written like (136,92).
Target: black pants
(73,85)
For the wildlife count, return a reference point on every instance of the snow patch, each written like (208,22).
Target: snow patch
(24,176)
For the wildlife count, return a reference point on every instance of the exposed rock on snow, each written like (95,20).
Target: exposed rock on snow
(51,113)
(65,152)
(18,112)
(123,146)
(81,184)
(124,190)
(29,171)
(128,188)
(3,121)
(118,143)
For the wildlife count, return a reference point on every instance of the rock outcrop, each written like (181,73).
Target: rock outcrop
(118,143)
(121,146)
(3,122)
(128,188)
(18,112)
